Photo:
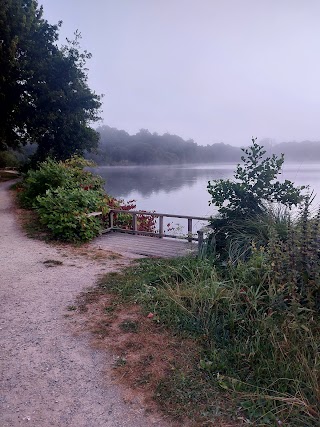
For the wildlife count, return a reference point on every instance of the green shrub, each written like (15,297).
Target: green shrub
(50,175)
(87,180)
(245,204)
(64,212)
(63,193)
(8,159)
(255,185)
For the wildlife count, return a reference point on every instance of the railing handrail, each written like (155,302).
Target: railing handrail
(158,214)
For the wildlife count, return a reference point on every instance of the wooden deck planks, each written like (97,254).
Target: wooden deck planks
(146,246)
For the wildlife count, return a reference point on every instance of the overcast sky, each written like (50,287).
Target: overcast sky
(210,70)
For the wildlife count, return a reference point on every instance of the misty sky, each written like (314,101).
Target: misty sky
(210,70)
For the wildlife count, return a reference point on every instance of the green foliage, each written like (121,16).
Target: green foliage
(44,95)
(252,205)
(63,193)
(8,159)
(64,212)
(233,239)
(52,174)
(255,185)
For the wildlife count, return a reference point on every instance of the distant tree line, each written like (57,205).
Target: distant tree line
(118,147)
(305,151)
(146,148)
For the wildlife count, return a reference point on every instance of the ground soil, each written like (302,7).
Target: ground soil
(149,359)
(50,374)
(145,353)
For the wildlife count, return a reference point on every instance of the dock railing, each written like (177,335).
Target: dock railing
(160,233)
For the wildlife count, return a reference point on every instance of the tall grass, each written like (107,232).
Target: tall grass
(256,319)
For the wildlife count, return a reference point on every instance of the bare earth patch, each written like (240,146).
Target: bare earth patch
(144,351)
(145,354)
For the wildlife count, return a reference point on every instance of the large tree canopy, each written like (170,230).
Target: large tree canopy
(44,93)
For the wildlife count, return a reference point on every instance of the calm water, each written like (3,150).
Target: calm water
(182,189)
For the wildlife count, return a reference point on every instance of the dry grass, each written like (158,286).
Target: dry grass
(150,360)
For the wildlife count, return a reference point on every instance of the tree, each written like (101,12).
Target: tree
(244,204)
(255,185)
(44,93)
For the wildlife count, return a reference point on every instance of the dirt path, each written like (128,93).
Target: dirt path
(48,377)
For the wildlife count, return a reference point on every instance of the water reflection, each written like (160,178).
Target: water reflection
(147,180)
(183,189)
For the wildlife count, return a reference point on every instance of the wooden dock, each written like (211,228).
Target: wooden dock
(138,246)
(134,242)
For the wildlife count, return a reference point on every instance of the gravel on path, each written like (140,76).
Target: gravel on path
(48,376)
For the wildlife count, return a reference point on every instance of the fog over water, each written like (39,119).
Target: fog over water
(211,70)
(182,189)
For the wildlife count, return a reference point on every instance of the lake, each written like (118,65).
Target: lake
(182,189)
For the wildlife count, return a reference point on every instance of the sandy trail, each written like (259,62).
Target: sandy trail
(48,376)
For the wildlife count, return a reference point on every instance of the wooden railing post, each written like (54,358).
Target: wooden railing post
(200,241)
(111,214)
(161,226)
(161,216)
(134,223)
(189,229)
